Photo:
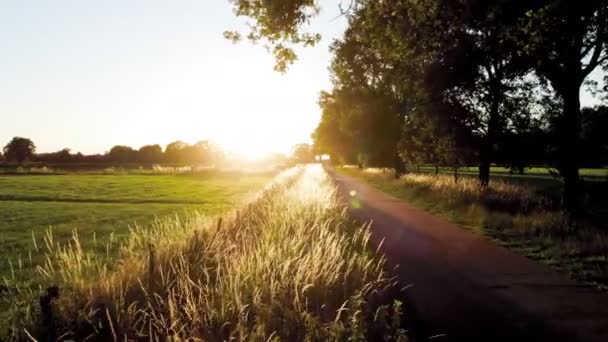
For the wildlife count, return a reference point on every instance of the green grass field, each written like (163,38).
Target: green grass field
(102,207)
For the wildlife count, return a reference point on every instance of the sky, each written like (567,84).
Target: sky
(89,75)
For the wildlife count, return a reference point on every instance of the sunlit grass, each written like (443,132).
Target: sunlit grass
(290,265)
(529,171)
(499,195)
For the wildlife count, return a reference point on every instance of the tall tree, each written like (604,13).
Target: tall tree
(477,67)
(330,137)
(374,60)
(150,154)
(565,43)
(199,153)
(19,149)
(302,153)
(175,152)
(358,127)
(122,154)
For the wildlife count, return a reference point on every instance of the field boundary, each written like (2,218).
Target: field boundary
(96,200)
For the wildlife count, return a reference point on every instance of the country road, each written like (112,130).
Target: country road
(465,288)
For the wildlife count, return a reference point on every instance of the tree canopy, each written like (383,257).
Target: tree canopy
(199,154)
(19,149)
(302,153)
(279,24)
(452,82)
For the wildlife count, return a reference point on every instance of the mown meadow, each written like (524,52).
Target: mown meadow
(518,213)
(287,264)
(102,207)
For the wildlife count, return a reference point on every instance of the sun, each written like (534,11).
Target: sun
(250,111)
(253,144)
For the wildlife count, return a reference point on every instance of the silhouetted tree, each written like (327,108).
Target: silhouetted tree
(61,156)
(150,154)
(565,43)
(429,141)
(330,136)
(200,153)
(122,154)
(476,66)
(95,159)
(594,136)
(176,152)
(302,153)
(19,149)
(357,126)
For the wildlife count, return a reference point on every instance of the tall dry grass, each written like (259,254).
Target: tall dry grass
(499,195)
(288,266)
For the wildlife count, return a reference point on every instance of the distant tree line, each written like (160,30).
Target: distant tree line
(20,150)
(451,83)
(302,154)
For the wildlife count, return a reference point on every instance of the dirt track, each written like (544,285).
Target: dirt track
(465,288)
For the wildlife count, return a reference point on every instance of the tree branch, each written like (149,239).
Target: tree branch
(602,59)
(599,44)
(344,12)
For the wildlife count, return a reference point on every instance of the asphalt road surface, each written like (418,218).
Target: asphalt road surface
(464,287)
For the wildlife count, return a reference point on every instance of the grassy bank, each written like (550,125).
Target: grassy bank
(599,173)
(515,216)
(288,266)
(545,182)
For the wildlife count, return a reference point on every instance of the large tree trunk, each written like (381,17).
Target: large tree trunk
(399,166)
(398,162)
(486,153)
(485,159)
(484,172)
(568,131)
